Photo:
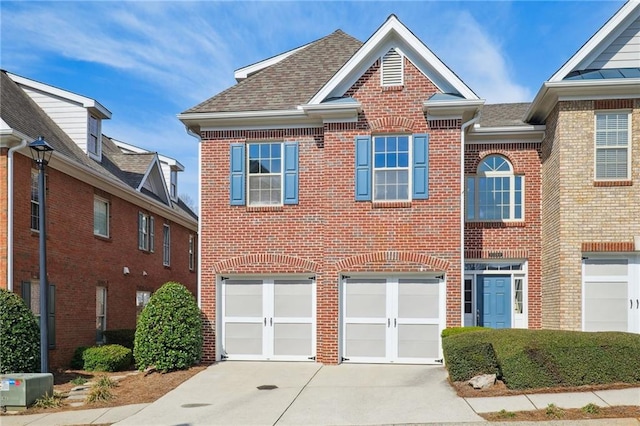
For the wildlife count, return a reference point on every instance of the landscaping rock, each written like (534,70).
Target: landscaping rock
(483,381)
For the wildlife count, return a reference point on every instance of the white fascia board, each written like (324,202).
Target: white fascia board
(333,113)
(116,188)
(129,147)
(573,90)
(10,137)
(439,110)
(373,48)
(509,134)
(628,13)
(172,162)
(88,103)
(242,73)
(248,119)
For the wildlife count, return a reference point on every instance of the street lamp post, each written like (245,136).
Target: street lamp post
(41,152)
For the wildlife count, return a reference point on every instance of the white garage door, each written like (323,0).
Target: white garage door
(267,319)
(392,320)
(611,295)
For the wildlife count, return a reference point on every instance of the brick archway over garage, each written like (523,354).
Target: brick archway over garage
(430,263)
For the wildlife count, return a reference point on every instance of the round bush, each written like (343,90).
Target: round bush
(169,332)
(107,358)
(19,336)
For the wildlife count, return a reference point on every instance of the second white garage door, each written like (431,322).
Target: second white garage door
(392,320)
(268,319)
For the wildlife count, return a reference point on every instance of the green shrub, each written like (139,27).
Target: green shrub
(547,358)
(49,401)
(466,358)
(19,336)
(123,337)
(77,361)
(452,331)
(107,358)
(169,331)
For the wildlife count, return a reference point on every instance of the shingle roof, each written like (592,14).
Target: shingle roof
(288,83)
(503,115)
(22,114)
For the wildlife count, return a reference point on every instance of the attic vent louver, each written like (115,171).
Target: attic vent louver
(392,69)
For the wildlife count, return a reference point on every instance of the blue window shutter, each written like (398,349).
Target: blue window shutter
(420,167)
(237,177)
(363,168)
(291,173)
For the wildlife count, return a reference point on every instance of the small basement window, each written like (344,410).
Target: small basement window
(392,68)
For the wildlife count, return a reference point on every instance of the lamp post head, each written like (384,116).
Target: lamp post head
(41,151)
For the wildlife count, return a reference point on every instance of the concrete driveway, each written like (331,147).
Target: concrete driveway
(309,394)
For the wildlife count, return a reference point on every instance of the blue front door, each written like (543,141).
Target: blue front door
(494,301)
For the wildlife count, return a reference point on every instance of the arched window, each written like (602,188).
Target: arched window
(494,193)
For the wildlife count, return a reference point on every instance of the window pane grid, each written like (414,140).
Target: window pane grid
(495,193)
(391,168)
(265,174)
(35,202)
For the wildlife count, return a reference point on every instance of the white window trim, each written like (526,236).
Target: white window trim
(629,144)
(512,191)
(166,245)
(374,169)
(108,212)
(173,184)
(34,177)
(192,252)
(104,311)
(148,241)
(249,174)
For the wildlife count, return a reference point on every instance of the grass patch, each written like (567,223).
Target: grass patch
(49,401)
(79,381)
(101,390)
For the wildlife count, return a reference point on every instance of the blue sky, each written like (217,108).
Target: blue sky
(148,61)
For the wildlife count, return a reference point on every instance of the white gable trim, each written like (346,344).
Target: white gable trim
(600,40)
(91,104)
(393,34)
(155,164)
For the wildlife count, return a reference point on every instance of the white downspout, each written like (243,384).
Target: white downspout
(475,118)
(10,213)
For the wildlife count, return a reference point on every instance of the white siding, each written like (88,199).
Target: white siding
(70,117)
(623,52)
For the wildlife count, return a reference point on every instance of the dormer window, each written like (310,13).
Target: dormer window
(174,184)
(392,68)
(94,142)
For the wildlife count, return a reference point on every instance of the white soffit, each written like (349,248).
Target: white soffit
(393,34)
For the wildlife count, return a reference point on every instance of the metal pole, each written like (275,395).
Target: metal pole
(44,288)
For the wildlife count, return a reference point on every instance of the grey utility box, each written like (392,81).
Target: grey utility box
(20,390)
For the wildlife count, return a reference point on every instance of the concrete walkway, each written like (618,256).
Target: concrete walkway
(279,393)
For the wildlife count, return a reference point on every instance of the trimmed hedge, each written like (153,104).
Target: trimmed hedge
(169,332)
(124,337)
(466,358)
(19,336)
(546,358)
(107,358)
(452,331)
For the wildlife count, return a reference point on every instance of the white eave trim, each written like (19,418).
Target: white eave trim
(333,112)
(242,73)
(88,103)
(574,90)
(629,12)
(507,134)
(269,119)
(391,25)
(440,109)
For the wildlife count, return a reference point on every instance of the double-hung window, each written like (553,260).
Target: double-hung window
(495,193)
(142,300)
(145,232)
(31,297)
(101,313)
(93,138)
(166,245)
(612,146)
(100,217)
(264,173)
(391,168)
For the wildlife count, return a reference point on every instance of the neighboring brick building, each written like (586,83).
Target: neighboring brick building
(116,229)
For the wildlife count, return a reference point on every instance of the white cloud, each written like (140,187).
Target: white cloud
(478,59)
